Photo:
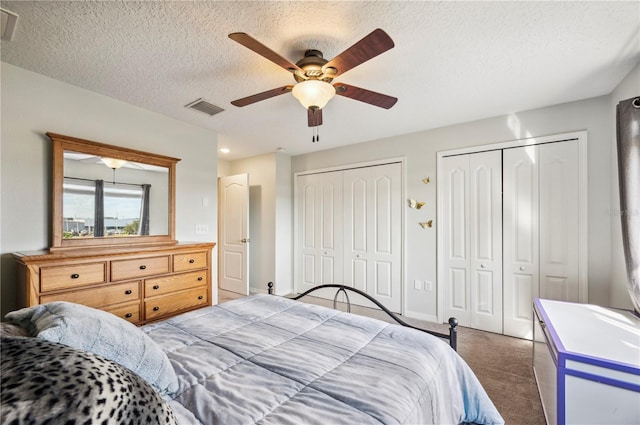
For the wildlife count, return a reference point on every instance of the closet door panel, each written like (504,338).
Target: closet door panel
(307,273)
(559,221)
(520,211)
(356,200)
(320,233)
(373,227)
(485,229)
(331,228)
(455,208)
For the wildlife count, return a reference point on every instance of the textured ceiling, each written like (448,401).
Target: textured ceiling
(452,62)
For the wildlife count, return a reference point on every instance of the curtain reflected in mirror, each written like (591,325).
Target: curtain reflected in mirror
(628,135)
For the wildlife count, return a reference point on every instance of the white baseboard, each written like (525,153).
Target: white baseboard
(421,316)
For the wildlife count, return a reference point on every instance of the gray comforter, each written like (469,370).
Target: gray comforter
(269,360)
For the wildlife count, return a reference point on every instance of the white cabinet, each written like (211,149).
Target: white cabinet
(510,221)
(586,361)
(349,231)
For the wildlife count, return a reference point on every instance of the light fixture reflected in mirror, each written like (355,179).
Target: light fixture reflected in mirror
(114,164)
(313,93)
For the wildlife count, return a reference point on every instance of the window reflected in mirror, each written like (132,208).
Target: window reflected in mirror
(106,198)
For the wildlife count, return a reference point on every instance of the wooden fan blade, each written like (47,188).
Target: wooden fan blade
(369,47)
(253,44)
(366,96)
(314,117)
(262,96)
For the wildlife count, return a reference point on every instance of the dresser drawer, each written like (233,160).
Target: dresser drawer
(72,276)
(128,311)
(166,305)
(98,297)
(139,267)
(176,282)
(190,261)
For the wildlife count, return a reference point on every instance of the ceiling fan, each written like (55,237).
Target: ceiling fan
(313,74)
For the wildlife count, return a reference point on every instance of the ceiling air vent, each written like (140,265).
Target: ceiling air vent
(9,21)
(204,106)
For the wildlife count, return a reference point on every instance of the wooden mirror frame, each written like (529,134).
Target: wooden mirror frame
(62,143)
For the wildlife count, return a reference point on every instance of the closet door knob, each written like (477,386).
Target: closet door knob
(483,266)
(523,268)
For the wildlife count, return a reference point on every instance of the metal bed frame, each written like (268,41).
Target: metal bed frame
(452,337)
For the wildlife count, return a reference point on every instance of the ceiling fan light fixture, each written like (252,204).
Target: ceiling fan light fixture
(313,93)
(113,163)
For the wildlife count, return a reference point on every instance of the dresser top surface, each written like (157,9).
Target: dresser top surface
(594,331)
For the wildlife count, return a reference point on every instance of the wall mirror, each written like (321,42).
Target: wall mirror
(107,195)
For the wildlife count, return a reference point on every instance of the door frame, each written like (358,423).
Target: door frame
(403,215)
(581,137)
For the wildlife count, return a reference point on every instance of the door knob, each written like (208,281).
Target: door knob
(482,266)
(522,268)
(245,240)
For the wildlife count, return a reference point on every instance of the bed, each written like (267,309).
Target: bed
(261,359)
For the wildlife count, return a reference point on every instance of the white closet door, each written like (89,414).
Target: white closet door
(456,247)
(485,229)
(319,233)
(520,212)
(372,232)
(559,221)
(473,239)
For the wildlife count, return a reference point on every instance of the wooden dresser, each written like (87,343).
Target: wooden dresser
(138,284)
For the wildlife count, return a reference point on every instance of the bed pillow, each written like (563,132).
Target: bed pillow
(101,333)
(46,382)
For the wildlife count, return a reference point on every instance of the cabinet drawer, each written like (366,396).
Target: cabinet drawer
(176,282)
(190,261)
(72,276)
(155,308)
(99,297)
(128,311)
(139,267)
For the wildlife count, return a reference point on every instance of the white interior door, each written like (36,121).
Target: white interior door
(472,203)
(485,230)
(372,232)
(319,232)
(521,265)
(233,222)
(456,249)
(559,221)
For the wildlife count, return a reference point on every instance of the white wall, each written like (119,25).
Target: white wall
(628,88)
(420,151)
(33,105)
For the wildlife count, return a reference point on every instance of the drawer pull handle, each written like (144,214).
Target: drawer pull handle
(75,276)
(199,278)
(200,297)
(156,308)
(128,315)
(156,286)
(191,261)
(128,292)
(142,267)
